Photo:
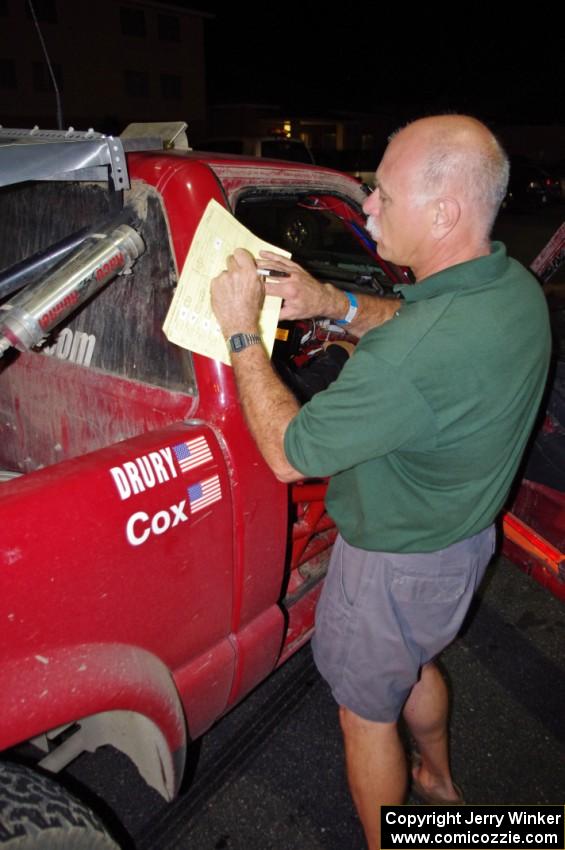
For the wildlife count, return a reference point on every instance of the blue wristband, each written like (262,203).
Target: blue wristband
(352,312)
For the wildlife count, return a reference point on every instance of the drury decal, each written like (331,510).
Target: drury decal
(143,473)
(147,471)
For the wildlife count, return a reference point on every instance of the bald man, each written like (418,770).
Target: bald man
(422,434)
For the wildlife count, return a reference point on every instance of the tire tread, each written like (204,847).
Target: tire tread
(37,812)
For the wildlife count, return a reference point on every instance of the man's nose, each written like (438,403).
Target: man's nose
(371,204)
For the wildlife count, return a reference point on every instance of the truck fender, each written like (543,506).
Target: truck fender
(101,694)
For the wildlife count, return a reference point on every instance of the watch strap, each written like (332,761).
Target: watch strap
(352,312)
(237,342)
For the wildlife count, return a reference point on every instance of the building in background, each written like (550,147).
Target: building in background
(327,130)
(115,62)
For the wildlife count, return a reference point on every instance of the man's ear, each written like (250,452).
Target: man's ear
(446,215)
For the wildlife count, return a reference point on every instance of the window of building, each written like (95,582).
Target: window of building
(329,141)
(132,22)
(136,83)
(171,87)
(282,148)
(7,74)
(168,27)
(42,81)
(45,11)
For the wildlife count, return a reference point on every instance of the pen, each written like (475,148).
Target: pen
(271,273)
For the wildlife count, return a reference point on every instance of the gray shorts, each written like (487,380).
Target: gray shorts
(382,615)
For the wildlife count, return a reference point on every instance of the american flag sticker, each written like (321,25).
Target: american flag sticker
(204,493)
(193,453)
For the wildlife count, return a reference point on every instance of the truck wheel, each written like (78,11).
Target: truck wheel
(36,813)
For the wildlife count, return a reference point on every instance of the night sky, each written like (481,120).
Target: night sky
(355,57)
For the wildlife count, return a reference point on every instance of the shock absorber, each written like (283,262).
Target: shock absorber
(28,318)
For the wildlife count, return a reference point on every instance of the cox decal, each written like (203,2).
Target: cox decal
(140,525)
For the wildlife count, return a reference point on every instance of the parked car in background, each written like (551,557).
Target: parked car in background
(358,163)
(557,169)
(530,186)
(534,526)
(271,147)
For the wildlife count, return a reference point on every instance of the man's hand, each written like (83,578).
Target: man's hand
(303,296)
(237,295)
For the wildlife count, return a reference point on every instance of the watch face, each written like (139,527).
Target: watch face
(237,342)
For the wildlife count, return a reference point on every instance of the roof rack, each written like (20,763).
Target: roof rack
(65,155)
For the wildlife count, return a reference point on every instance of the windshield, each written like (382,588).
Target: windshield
(325,235)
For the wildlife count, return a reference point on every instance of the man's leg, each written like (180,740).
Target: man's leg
(362,650)
(426,713)
(376,769)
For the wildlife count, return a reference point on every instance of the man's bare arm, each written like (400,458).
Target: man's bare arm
(268,406)
(304,297)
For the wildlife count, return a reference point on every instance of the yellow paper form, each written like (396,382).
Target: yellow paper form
(190,321)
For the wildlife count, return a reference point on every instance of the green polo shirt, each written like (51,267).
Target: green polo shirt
(423,430)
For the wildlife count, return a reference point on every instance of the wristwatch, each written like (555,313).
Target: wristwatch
(237,342)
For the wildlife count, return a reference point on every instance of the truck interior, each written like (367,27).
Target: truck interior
(117,333)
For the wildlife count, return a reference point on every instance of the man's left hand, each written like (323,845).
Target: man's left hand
(237,295)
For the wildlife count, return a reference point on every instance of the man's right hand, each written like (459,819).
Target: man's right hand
(303,296)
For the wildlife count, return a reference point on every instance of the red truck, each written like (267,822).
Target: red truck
(153,569)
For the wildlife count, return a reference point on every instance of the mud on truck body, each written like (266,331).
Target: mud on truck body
(154,571)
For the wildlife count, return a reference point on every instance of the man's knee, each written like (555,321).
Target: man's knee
(353,725)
